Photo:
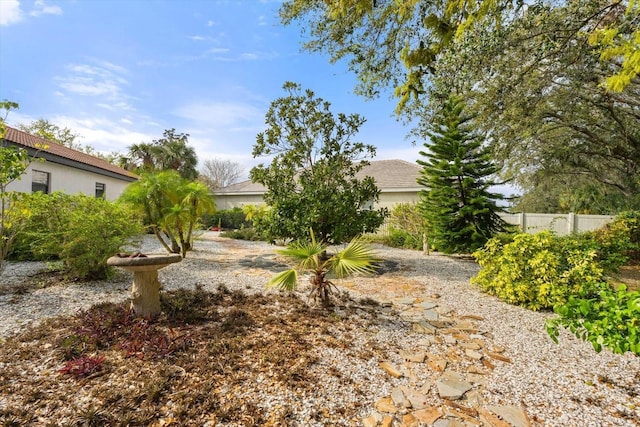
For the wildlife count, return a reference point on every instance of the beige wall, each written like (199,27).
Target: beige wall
(387,200)
(237,201)
(69,180)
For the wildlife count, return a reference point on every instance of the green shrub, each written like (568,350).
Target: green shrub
(611,319)
(407,227)
(248,233)
(81,231)
(228,219)
(538,271)
(619,240)
(403,239)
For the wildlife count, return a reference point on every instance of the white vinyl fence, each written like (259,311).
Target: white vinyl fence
(561,224)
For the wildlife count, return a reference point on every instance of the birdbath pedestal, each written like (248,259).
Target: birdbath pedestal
(145,291)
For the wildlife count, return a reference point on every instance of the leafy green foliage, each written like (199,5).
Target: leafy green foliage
(461,211)
(538,271)
(619,240)
(13,163)
(170,152)
(407,227)
(536,72)
(229,219)
(355,258)
(244,233)
(81,231)
(311,180)
(171,206)
(610,319)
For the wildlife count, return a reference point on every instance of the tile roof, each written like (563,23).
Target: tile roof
(27,140)
(390,175)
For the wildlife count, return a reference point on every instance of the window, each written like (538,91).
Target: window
(100,189)
(40,181)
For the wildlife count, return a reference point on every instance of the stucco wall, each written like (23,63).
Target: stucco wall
(69,180)
(387,200)
(235,201)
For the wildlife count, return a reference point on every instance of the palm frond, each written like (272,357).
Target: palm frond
(285,280)
(305,253)
(357,257)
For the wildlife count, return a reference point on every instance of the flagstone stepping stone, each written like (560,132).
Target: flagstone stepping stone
(428,415)
(440,324)
(398,398)
(404,301)
(473,398)
(427,305)
(498,356)
(409,420)
(371,420)
(413,357)
(473,354)
(387,421)
(471,345)
(436,363)
(514,415)
(386,405)
(423,328)
(390,369)
(448,422)
(430,315)
(449,339)
(452,385)
(417,399)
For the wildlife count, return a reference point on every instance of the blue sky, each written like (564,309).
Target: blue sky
(119,72)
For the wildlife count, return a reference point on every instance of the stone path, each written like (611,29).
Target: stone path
(465,355)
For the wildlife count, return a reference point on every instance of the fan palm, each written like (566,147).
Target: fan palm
(356,257)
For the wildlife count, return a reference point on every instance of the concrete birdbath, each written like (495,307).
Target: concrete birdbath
(145,291)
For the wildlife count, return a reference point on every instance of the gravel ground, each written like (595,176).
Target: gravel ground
(557,385)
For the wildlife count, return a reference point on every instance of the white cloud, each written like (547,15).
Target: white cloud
(41,8)
(98,79)
(210,23)
(10,12)
(221,114)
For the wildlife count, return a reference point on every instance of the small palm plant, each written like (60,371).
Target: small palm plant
(357,257)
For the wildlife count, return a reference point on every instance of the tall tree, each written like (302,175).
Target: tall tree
(391,43)
(461,211)
(171,152)
(311,180)
(54,133)
(217,173)
(537,73)
(536,85)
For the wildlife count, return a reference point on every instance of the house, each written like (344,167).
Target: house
(396,180)
(64,169)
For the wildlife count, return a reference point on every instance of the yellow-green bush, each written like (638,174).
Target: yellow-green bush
(539,271)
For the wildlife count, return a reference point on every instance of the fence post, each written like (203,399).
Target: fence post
(571,222)
(522,221)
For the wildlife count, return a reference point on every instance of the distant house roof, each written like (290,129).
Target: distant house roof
(390,176)
(58,153)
